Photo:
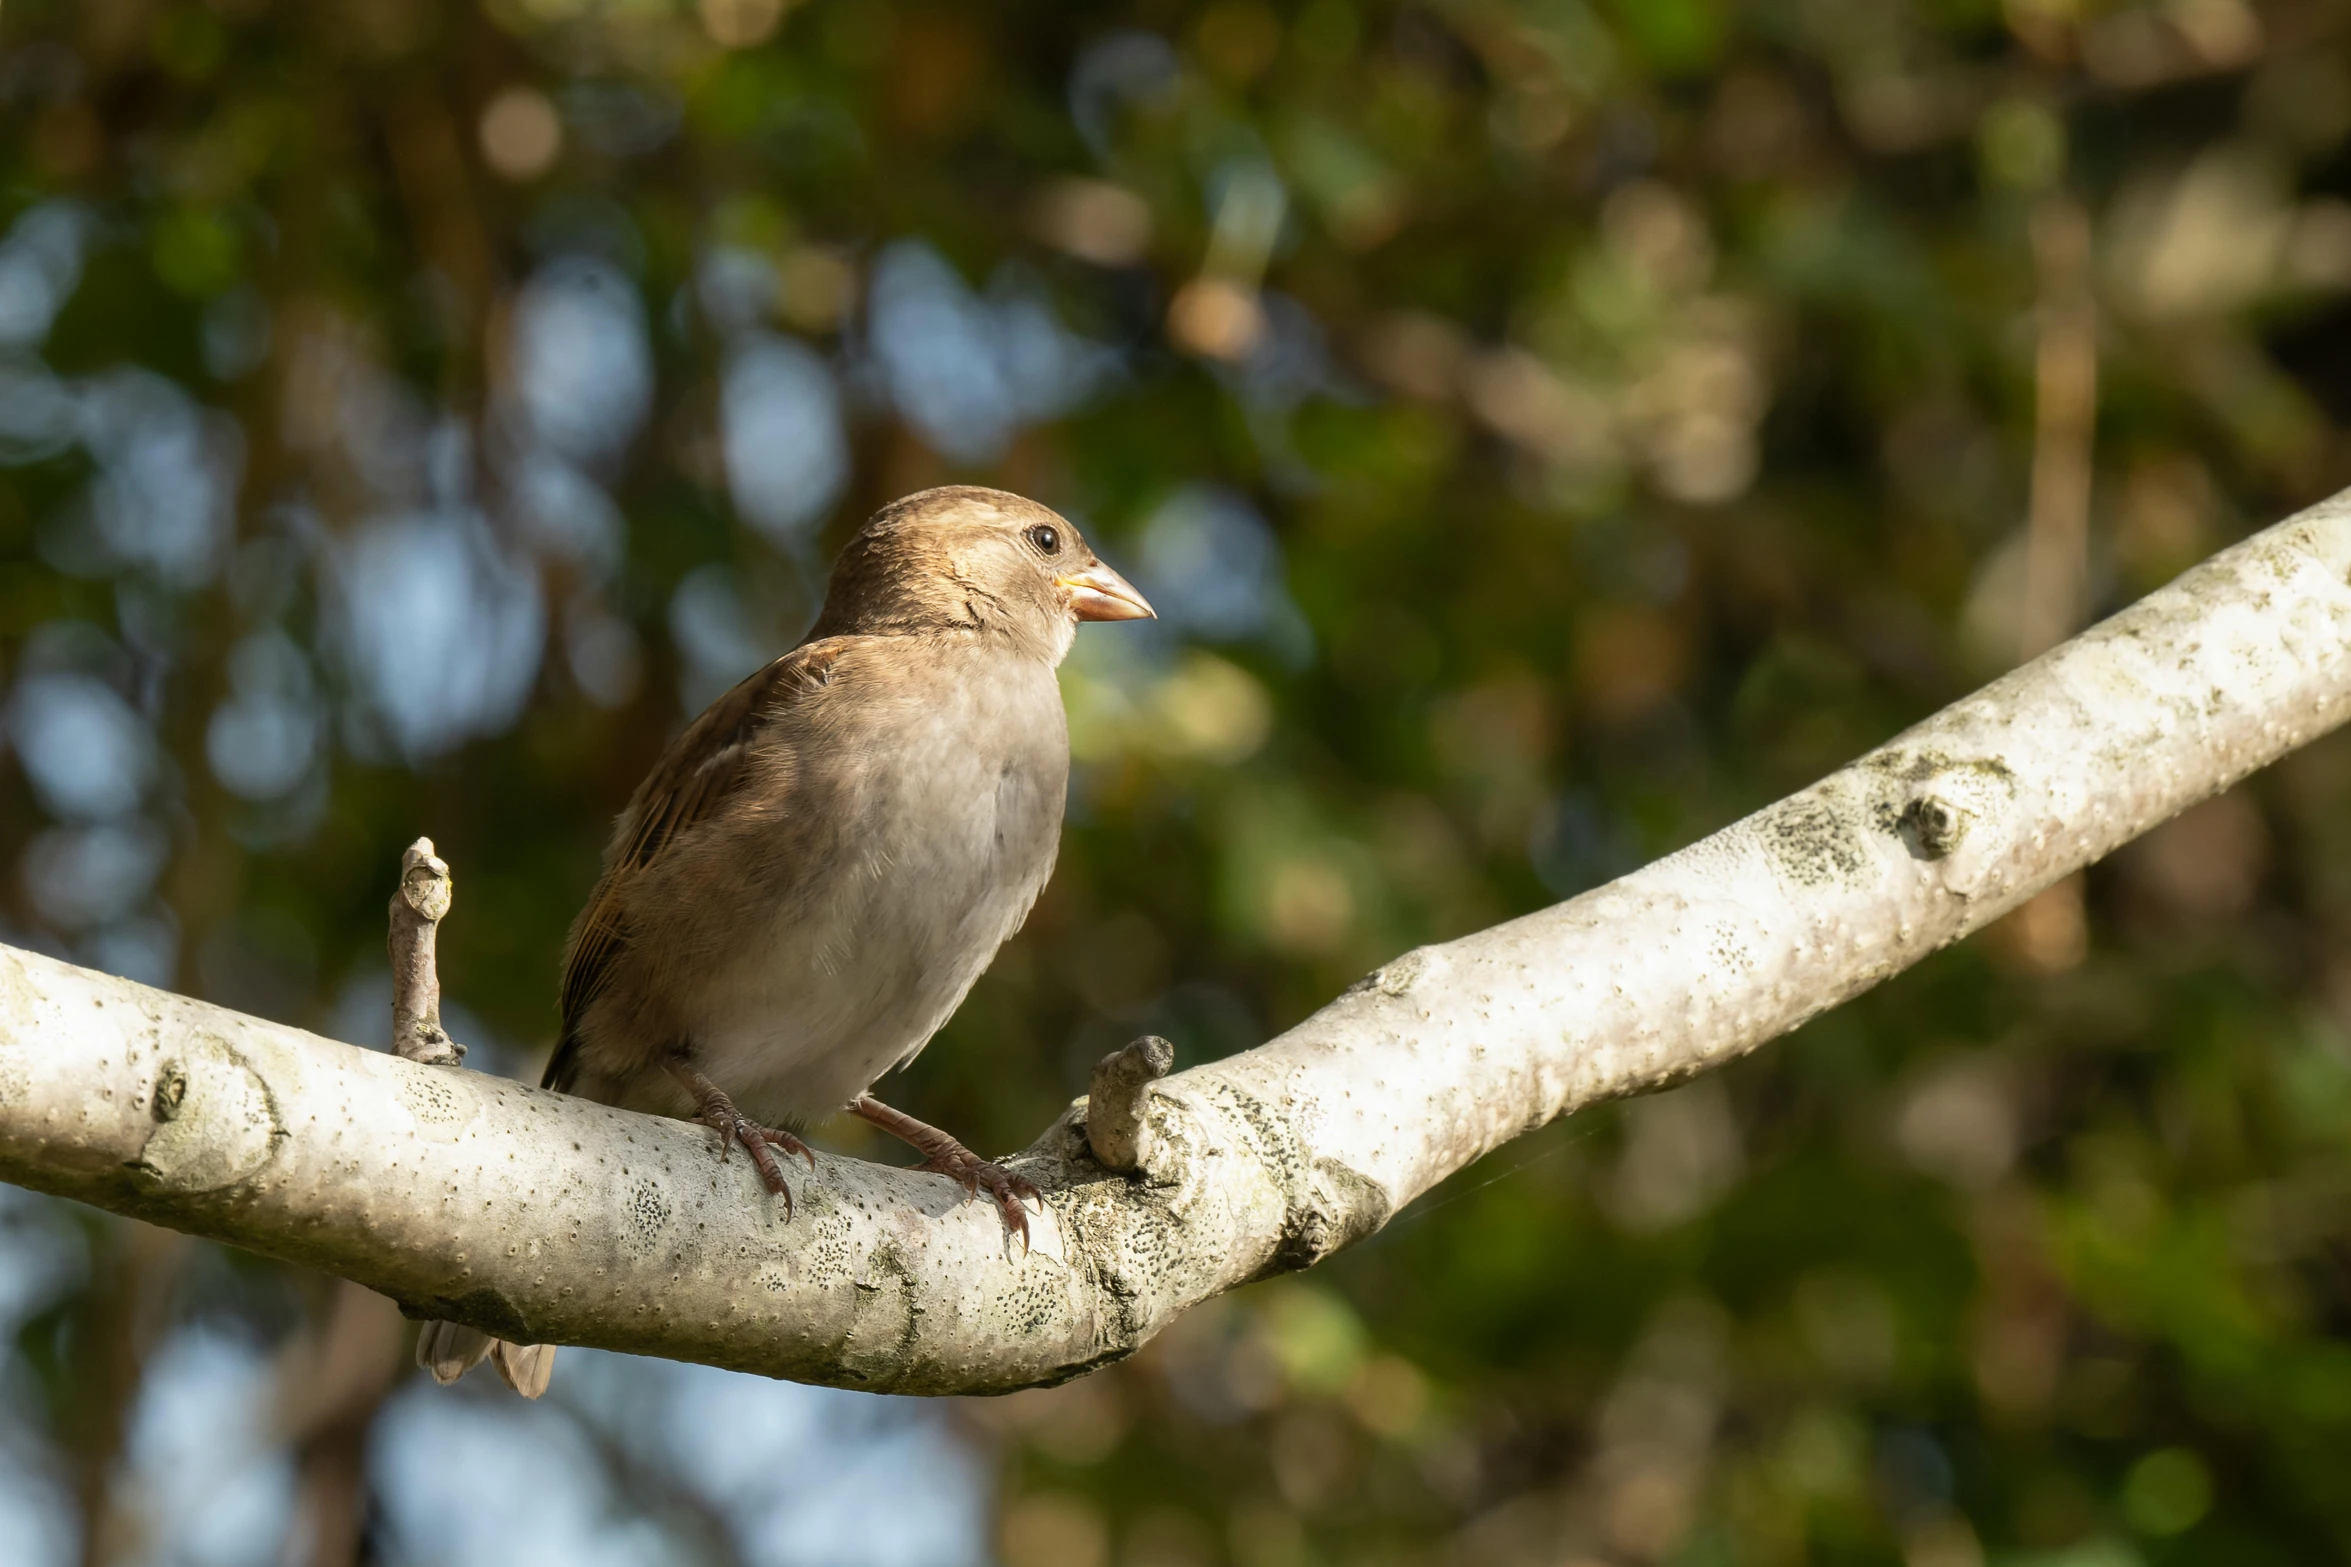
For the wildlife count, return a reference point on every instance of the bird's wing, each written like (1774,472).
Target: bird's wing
(698,773)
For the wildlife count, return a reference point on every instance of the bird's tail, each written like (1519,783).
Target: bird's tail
(449,1350)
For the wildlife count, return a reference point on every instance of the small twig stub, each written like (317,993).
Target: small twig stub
(1115,1124)
(418,907)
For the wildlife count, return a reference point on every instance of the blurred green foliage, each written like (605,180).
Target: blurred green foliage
(1562,428)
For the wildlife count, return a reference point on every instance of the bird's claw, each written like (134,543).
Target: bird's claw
(716,1111)
(1011,1191)
(735,1127)
(943,1155)
(779,1138)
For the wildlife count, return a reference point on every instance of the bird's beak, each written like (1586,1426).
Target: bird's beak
(1098,593)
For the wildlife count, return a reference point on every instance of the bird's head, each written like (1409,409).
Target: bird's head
(966,558)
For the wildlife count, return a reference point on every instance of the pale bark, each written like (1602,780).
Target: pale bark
(549,1219)
(419,905)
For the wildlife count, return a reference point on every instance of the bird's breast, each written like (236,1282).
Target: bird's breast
(940,820)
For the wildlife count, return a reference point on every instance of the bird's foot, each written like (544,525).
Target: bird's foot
(735,1127)
(943,1155)
(1012,1192)
(718,1112)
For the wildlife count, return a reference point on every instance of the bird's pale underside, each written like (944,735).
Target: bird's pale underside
(817,871)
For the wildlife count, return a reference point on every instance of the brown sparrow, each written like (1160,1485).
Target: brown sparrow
(815,873)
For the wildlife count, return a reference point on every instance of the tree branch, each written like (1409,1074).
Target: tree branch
(549,1219)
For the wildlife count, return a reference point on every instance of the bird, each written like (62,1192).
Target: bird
(817,870)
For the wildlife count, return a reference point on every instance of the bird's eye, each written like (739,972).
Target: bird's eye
(1046,538)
